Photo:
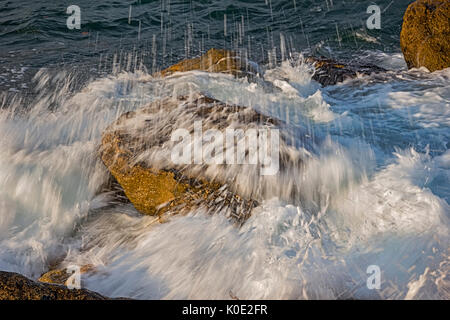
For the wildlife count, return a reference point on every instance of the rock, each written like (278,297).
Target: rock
(14,286)
(60,276)
(215,60)
(425,35)
(329,72)
(136,150)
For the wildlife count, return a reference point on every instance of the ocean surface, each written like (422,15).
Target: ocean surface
(381,171)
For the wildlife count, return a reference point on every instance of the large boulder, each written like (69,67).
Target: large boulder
(137,150)
(425,35)
(14,286)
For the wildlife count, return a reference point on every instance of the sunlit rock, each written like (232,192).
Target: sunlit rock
(137,151)
(425,35)
(215,60)
(14,286)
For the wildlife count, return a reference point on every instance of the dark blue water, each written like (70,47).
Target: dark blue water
(34,33)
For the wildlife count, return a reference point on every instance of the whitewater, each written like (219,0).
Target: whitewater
(376,190)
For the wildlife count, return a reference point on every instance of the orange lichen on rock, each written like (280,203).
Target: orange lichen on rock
(147,189)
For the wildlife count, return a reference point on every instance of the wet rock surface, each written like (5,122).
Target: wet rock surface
(14,286)
(425,35)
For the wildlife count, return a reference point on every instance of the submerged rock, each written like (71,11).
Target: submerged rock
(14,286)
(329,72)
(215,60)
(425,35)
